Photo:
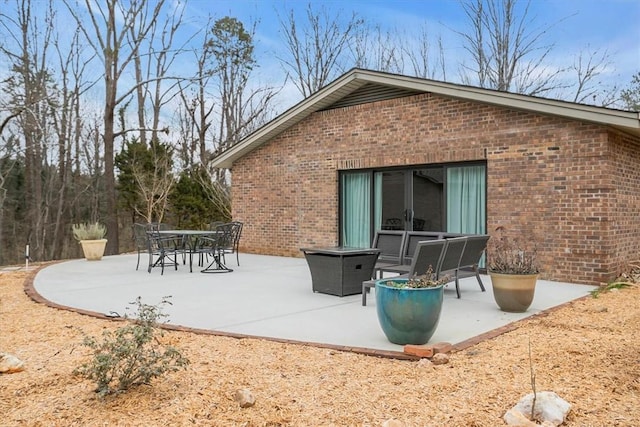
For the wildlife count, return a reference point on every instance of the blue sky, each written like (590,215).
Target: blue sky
(575,25)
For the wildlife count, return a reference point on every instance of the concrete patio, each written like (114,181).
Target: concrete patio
(271,297)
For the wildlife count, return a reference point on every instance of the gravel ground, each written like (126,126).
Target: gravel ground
(587,351)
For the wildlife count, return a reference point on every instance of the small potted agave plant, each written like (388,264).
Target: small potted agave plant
(513,268)
(91,237)
(409,308)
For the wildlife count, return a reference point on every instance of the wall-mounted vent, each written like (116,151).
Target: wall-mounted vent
(371,93)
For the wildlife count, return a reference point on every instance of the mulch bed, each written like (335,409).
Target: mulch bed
(587,351)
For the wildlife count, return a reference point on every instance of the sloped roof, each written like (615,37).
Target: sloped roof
(359,86)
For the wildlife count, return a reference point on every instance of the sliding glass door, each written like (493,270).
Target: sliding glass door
(409,199)
(425,209)
(390,200)
(435,198)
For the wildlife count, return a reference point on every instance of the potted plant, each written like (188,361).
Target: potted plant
(409,308)
(91,237)
(513,268)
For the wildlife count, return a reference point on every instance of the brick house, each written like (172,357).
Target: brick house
(374,150)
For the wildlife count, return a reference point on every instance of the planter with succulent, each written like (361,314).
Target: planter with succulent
(409,308)
(513,268)
(91,237)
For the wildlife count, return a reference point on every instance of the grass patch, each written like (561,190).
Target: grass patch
(610,286)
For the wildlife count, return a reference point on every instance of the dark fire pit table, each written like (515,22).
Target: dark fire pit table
(340,270)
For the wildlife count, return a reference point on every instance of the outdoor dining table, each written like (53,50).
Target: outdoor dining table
(191,239)
(340,270)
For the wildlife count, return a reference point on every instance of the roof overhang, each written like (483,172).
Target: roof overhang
(625,121)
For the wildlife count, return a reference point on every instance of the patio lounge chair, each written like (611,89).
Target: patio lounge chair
(451,260)
(391,245)
(411,240)
(428,255)
(468,265)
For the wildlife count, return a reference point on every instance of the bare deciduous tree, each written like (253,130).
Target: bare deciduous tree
(242,108)
(110,24)
(159,54)
(424,62)
(630,96)
(68,123)
(28,88)
(196,108)
(373,48)
(154,186)
(316,54)
(508,51)
(588,66)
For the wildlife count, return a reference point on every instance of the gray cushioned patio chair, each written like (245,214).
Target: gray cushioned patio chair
(451,260)
(428,255)
(412,238)
(468,265)
(391,245)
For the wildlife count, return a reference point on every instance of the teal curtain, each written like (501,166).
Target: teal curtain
(466,201)
(356,209)
(466,204)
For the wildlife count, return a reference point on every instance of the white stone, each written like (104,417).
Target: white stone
(392,423)
(550,408)
(244,398)
(513,417)
(10,364)
(440,359)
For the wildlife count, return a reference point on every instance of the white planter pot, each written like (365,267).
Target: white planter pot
(93,249)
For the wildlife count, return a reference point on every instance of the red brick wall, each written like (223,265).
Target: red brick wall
(549,178)
(625,168)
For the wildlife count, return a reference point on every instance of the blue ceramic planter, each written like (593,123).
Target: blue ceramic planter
(408,316)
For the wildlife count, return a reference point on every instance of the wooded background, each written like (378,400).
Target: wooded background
(105,123)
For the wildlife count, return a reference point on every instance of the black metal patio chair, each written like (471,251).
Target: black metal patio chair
(236,232)
(140,239)
(215,246)
(164,249)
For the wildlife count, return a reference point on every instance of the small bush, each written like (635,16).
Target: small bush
(88,231)
(609,287)
(131,355)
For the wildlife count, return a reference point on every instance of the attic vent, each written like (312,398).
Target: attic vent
(371,93)
(350,164)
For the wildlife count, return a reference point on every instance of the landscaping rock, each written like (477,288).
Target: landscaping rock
(10,364)
(440,359)
(244,398)
(550,409)
(513,417)
(392,423)
(425,363)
